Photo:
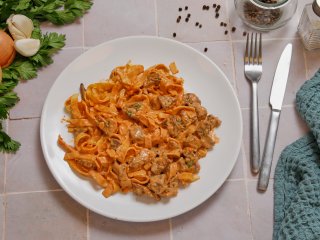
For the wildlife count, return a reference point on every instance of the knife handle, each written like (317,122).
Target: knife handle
(268,151)
(255,138)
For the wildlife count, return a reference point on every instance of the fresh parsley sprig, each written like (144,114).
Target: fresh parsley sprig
(58,12)
(6,143)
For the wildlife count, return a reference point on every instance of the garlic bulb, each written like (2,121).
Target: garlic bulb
(20,26)
(6,49)
(27,47)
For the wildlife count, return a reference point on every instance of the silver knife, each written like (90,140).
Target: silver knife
(276,99)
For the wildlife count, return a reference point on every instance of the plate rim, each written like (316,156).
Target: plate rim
(112,216)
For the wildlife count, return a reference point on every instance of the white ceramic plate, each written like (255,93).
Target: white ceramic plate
(201,76)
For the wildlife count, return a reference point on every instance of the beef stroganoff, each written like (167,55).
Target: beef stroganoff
(139,132)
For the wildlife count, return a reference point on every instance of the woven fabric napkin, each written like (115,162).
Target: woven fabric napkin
(297,175)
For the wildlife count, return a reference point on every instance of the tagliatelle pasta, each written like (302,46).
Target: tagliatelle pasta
(138,132)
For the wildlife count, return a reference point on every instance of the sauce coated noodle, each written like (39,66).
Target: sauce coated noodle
(138,131)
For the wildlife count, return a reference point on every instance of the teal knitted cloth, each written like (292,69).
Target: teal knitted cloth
(297,175)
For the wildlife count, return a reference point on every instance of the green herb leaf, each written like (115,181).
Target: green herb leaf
(8,100)
(7,144)
(7,87)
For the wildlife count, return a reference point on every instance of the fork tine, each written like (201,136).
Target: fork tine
(255,57)
(251,48)
(246,55)
(260,50)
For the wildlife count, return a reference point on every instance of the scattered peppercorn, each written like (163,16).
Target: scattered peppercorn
(204,7)
(197,23)
(200,26)
(221,24)
(178,19)
(180,9)
(186,8)
(187,19)
(205,49)
(233,29)
(174,35)
(217,15)
(214,5)
(244,34)
(224,24)
(225,32)
(189,15)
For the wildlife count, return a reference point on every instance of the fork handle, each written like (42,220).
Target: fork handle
(255,139)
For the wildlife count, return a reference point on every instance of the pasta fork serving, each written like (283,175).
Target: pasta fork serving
(253,72)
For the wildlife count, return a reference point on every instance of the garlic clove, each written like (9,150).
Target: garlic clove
(27,47)
(20,26)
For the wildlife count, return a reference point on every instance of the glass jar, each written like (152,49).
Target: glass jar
(309,25)
(265,15)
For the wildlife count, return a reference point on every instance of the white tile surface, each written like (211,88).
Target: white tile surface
(237,211)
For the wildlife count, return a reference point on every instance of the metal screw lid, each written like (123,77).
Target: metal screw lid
(316,7)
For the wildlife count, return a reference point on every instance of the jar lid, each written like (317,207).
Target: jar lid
(316,7)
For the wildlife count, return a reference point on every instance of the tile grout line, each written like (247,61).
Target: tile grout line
(234,70)
(245,168)
(156,17)
(83,22)
(5,187)
(39,191)
(88,215)
(170,229)
(239,40)
(232,48)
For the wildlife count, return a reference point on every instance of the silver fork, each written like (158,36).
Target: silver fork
(253,72)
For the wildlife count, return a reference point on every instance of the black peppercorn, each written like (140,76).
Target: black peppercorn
(180,9)
(205,49)
(186,8)
(233,29)
(174,35)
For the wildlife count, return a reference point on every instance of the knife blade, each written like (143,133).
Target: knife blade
(276,98)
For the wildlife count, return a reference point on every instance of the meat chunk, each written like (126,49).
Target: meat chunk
(174,125)
(190,99)
(201,112)
(114,143)
(153,78)
(158,165)
(157,183)
(137,134)
(166,101)
(142,158)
